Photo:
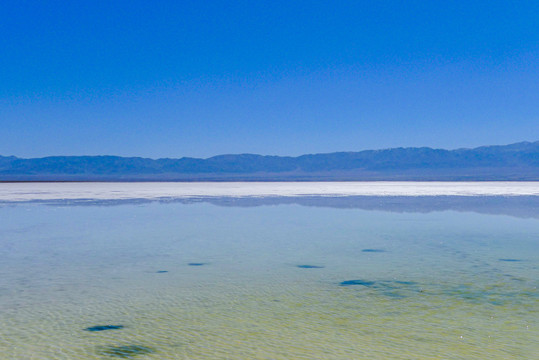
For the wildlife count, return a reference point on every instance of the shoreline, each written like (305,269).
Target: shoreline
(46,191)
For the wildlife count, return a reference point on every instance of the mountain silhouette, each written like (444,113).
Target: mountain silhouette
(519,161)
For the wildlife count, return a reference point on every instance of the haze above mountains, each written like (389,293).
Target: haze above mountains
(519,161)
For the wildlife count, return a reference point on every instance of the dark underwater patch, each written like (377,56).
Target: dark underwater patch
(357,282)
(394,295)
(162,271)
(196,264)
(126,351)
(104,327)
(405,282)
(309,267)
(395,289)
(510,260)
(373,250)
(382,284)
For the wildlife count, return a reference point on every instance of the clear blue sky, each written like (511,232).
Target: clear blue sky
(200,78)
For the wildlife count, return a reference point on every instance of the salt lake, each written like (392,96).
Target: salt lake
(269,271)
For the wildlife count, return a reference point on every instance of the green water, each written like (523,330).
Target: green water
(379,285)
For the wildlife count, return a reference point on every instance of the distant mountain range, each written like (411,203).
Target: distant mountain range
(519,161)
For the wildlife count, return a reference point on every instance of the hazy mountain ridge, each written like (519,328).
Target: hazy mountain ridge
(519,161)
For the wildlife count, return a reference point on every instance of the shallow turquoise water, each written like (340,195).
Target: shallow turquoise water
(200,281)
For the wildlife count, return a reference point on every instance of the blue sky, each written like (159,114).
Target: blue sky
(201,78)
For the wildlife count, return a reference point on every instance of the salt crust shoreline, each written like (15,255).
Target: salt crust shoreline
(23,192)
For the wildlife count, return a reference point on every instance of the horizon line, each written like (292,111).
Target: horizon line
(266,155)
